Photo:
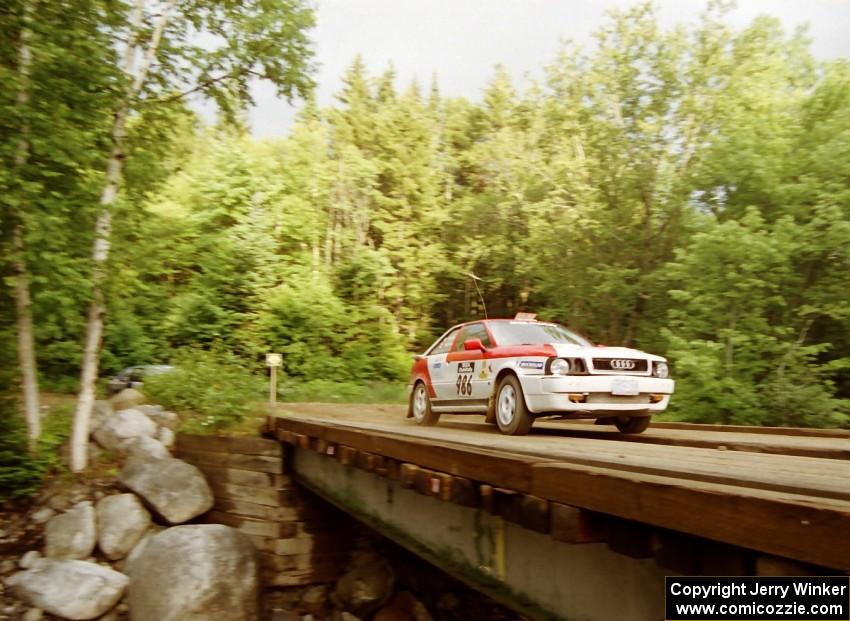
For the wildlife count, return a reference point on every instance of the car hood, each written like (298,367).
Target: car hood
(566,350)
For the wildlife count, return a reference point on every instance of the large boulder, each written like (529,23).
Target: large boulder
(176,491)
(117,432)
(127,398)
(100,412)
(167,437)
(122,520)
(71,535)
(136,553)
(69,589)
(161,417)
(150,447)
(198,572)
(366,586)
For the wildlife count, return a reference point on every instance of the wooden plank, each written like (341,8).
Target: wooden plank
(244,445)
(431,483)
(534,513)
(257,463)
(268,497)
(488,498)
(302,577)
(407,475)
(508,504)
(790,473)
(251,526)
(367,461)
(756,430)
(347,455)
(422,481)
(284,435)
(782,524)
(393,469)
(478,463)
(783,505)
(802,446)
(246,478)
(441,486)
(464,492)
(305,511)
(574,525)
(325,543)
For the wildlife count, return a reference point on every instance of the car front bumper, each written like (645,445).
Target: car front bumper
(553,393)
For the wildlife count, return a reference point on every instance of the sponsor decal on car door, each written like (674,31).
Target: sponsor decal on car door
(442,376)
(469,366)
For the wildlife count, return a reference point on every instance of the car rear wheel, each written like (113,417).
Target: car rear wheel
(632,424)
(420,406)
(512,415)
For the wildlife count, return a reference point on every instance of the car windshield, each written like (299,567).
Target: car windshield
(533,333)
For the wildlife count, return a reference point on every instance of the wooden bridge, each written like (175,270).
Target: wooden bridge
(576,520)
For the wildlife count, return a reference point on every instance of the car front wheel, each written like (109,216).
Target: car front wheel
(632,424)
(420,405)
(512,415)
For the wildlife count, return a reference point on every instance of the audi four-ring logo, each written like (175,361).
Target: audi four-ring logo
(623,365)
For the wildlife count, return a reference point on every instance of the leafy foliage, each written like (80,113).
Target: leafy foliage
(684,191)
(211,390)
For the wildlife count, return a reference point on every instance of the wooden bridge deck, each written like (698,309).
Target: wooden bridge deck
(782,492)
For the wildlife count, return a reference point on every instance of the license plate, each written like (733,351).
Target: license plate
(624,387)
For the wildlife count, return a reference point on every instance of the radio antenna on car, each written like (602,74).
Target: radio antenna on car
(475,280)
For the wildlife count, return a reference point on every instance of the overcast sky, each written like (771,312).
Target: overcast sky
(461,40)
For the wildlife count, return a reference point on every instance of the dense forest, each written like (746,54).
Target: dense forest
(684,191)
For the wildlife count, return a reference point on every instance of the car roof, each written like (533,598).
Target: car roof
(500,319)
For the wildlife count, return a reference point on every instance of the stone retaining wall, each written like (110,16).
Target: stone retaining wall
(301,539)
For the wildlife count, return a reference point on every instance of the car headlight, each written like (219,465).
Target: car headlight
(559,366)
(661,370)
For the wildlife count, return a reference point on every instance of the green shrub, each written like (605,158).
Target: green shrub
(21,474)
(210,390)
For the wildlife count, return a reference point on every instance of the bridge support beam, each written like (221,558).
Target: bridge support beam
(528,571)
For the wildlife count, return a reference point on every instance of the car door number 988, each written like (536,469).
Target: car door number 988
(464,386)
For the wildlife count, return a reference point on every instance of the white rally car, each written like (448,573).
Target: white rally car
(514,370)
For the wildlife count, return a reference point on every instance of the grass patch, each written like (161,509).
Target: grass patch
(329,391)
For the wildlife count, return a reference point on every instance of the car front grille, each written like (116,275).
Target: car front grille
(620,365)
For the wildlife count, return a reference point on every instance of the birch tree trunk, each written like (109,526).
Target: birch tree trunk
(23,301)
(103,227)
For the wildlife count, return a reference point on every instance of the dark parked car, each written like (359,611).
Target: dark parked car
(133,377)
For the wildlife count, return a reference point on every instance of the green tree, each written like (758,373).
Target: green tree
(740,353)
(254,39)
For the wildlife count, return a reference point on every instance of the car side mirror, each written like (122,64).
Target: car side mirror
(473,345)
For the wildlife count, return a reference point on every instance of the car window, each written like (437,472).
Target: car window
(533,333)
(444,344)
(472,331)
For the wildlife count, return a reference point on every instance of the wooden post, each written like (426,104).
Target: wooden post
(273,391)
(273,361)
